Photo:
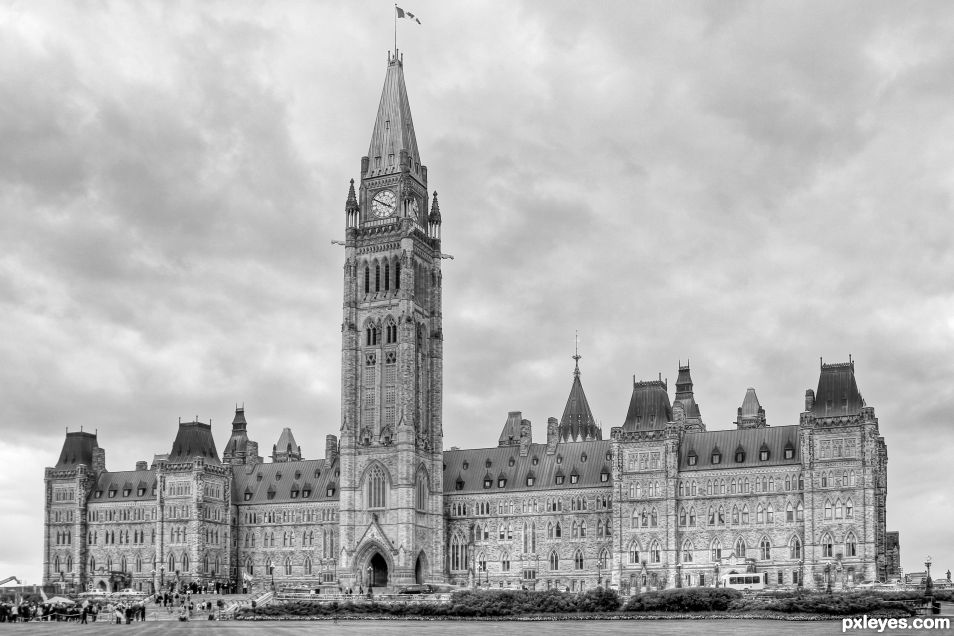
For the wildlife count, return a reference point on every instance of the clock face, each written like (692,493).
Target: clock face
(412,209)
(383,204)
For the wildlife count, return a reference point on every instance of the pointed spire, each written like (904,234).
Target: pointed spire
(435,210)
(578,423)
(393,126)
(576,356)
(352,202)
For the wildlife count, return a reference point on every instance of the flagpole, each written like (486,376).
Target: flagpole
(395,29)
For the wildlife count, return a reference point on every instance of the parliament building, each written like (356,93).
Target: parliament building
(660,502)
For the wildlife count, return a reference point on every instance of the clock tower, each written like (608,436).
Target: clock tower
(391,456)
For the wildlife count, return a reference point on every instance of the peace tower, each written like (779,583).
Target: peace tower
(391,518)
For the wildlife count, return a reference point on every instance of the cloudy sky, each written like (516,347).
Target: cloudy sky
(751,186)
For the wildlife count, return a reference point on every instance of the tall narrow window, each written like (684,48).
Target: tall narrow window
(387,277)
(765,549)
(367,279)
(376,484)
(397,275)
(740,548)
(377,277)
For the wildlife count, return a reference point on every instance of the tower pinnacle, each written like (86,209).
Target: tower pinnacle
(576,356)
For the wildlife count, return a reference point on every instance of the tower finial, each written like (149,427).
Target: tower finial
(576,355)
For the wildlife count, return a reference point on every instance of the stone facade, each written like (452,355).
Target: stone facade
(661,502)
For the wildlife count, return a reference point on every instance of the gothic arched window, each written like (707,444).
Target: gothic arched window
(654,555)
(687,551)
(554,560)
(795,548)
(828,547)
(740,548)
(376,488)
(765,549)
(458,553)
(634,552)
(851,545)
(578,560)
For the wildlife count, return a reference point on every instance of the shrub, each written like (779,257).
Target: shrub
(686,599)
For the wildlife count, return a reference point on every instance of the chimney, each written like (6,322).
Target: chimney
(142,465)
(331,448)
(525,438)
(553,435)
(99,459)
(251,453)
(809,400)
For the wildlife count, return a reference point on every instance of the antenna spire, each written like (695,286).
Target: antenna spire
(576,355)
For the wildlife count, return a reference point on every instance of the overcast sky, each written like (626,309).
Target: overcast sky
(751,186)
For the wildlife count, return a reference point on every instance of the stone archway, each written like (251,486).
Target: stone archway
(420,568)
(378,570)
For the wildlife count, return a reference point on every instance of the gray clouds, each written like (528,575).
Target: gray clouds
(748,185)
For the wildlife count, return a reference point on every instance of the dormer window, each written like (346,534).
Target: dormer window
(248,496)
(501,483)
(331,491)
(127,492)
(294,494)
(278,476)
(716,458)
(763,455)
(529,481)
(153,491)
(559,479)
(739,456)
(559,459)
(692,459)
(99,494)
(140,492)
(583,457)
(488,463)
(112,493)
(511,462)
(487,483)
(459,485)
(609,455)
(466,465)
(574,478)
(535,461)
(789,453)
(604,476)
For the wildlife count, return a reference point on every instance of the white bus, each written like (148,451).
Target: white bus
(745,581)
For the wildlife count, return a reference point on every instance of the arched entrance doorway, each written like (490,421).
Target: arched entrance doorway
(379,571)
(419,568)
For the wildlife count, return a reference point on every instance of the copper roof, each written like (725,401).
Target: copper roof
(577,423)
(510,434)
(649,407)
(393,126)
(121,482)
(77,449)
(587,460)
(273,483)
(837,392)
(773,438)
(750,404)
(194,439)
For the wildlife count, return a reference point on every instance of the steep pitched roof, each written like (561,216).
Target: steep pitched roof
(510,435)
(649,407)
(194,439)
(750,404)
(274,483)
(588,460)
(239,437)
(393,126)
(124,486)
(577,422)
(77,449)
(837,392)
(772,438)
(286,442)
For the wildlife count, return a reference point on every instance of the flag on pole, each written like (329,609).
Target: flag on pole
(401,13)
